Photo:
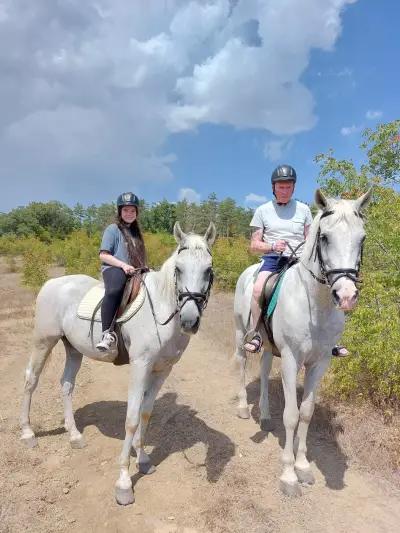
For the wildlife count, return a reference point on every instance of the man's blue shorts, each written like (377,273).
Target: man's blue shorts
(273,262)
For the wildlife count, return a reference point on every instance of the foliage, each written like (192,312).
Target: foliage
(43,220)
(79,253)
(339,177)
(231,256)
(159,247)
(36,261)
(54,220)
(372,330)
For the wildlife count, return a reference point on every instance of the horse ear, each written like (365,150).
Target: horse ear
(178,233)
(363,201)
(210,234)
(321,200)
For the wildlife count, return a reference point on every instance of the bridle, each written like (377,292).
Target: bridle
(183,297)
(338,273)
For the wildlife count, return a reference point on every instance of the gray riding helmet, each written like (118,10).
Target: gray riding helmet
(283,173)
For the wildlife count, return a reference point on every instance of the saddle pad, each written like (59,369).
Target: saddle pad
(96,293)
(274,298)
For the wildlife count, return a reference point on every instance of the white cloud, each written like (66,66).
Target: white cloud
(97,94)
(274,150)
(372,115)
(349,130)
(190,195)
(252,198)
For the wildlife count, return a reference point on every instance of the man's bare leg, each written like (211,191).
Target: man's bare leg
(254,345)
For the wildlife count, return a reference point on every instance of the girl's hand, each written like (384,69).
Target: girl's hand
(128,269)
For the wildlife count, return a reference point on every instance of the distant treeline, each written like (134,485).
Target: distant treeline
(54,219)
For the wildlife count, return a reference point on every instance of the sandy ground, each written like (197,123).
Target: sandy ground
(215,472)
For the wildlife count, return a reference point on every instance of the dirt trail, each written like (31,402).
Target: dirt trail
(215,473)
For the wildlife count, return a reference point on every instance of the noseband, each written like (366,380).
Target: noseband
(350,273)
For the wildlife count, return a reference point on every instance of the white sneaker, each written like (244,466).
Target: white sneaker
(108,342)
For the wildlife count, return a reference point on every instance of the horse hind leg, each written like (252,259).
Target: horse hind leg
(41,350)
(73,362)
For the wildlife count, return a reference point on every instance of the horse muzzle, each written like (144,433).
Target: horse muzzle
(190,326)
(345,297)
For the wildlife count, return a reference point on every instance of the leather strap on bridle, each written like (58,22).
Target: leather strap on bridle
(350,273)
(183,297)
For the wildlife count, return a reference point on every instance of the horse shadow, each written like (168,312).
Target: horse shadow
(322,445)
(173,428)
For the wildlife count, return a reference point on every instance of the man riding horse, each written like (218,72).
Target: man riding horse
(279,228)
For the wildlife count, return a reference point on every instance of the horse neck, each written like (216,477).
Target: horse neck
(165,281)
(309,262)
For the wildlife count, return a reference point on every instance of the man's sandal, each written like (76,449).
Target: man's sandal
(255,344)
(340,351)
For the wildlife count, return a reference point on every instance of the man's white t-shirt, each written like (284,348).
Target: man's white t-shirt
(282,222)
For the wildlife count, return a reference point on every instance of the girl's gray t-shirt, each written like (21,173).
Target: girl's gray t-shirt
(114,242)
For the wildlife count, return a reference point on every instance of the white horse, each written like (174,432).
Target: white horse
(179,290)
(307,322)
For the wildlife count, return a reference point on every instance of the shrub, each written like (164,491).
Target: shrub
(231,257)
(36,261)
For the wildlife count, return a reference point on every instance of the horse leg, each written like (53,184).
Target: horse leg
(73,362)
(240,358)
(143,462)
(41,350)
(311,381)
(288,480)
(140,373)
(265,415)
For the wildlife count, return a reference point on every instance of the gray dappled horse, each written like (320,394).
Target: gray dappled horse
(307,322)
(179,290)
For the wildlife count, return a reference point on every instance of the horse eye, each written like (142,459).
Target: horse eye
(178,271)
(324,238)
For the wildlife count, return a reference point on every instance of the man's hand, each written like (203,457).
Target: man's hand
(280,246)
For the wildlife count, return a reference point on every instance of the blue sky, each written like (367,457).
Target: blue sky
(188,98)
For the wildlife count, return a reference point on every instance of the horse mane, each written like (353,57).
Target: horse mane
(166,275)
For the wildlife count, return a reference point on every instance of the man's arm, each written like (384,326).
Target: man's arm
(306,230)
(257,245)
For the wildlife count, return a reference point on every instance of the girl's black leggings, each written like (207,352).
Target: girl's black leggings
(114,283)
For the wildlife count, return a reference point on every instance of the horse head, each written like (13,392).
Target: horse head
(338,246)
(193,275)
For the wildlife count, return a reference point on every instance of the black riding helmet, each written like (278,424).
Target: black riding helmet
(283,173)
(127,198)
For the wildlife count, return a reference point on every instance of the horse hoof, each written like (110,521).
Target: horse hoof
(30,442)
(124,496)
(292,490)
(78,444)
(243,412)
(146,468)
(267,424)
(306,477)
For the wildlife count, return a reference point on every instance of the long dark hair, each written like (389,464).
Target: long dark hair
(134,241)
